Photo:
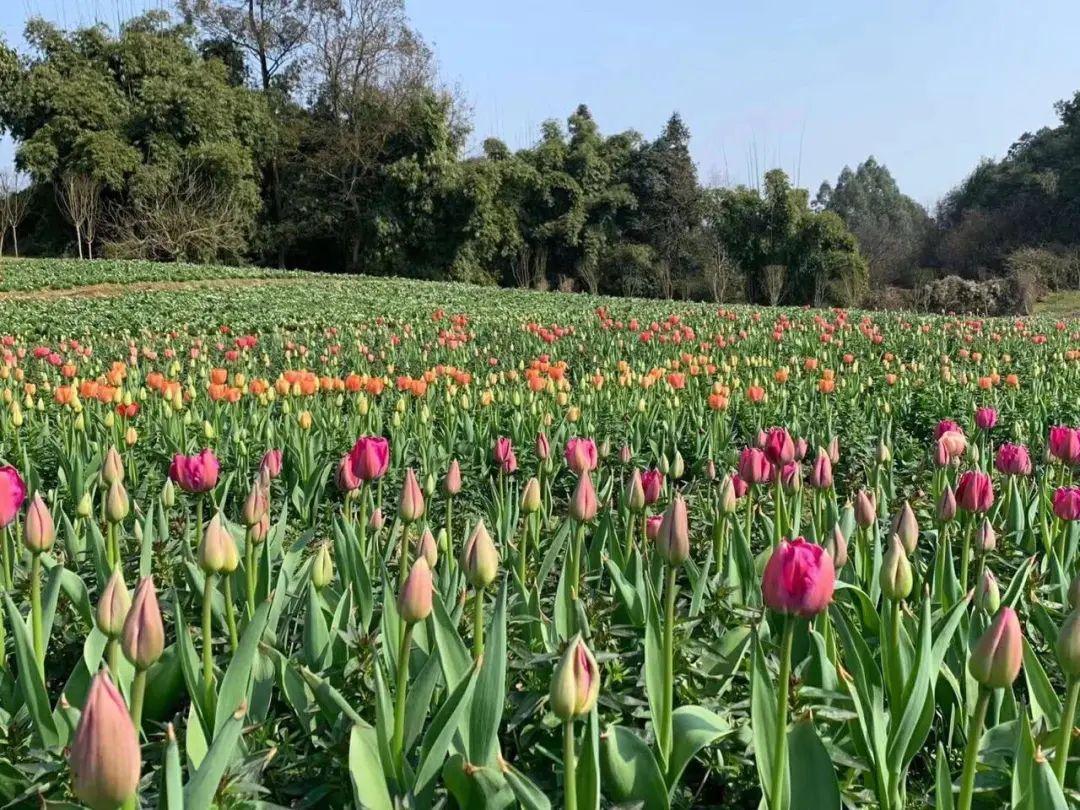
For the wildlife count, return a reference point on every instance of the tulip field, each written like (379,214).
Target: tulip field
(314,541)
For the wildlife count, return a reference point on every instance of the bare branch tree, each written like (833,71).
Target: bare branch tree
(78,196)
(18,202)
(775,277)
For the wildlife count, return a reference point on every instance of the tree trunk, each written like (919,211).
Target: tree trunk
(15,239)
(78,240)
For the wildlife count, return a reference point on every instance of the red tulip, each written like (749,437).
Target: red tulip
(370,457)
(821,476)
(799,579)
(1013,459)
(975,491)
(197,473)
(779,447)
(12,495)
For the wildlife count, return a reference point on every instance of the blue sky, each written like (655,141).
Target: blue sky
(927,87)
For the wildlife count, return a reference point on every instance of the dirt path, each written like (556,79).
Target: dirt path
(110,290)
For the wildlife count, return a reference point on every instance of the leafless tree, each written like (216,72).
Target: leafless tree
(775,277)
(79,198)
(719,270)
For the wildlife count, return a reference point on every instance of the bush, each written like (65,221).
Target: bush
(996,296)
(1054,268)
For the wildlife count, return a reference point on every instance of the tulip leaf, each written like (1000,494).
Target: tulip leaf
(316,639)
(33,687)
(942,781)
(453,654)
(441,731)
(235,689)
(418,698)
(203,785)
(366,771)
(1045,704)
(171,796)
(588,771)
(762,715)
(487,704)
(1046,793)
(529,796)
(811,771)
(630,771)
(693,728)
(654,658)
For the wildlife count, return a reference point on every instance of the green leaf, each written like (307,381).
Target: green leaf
(203,785)
(487,705)
(1046,705)
(441,731)
(172,777)
(30,681)
(236,685)
(630,771)
(762,714)
(529,796)
(693,727)
(813,777)
(943,781)
(588,772)
(366,771)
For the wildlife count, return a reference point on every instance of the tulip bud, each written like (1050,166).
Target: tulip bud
(104,757)
(884,454)
(377,521)
(168,494)
(989,594)
(479,558)
(865,508)
(530,497)
(575,683)
(906,527)
(635,492)
(837,546)
(728,498)
(113,605)
(452,481)
(39,534)
(116,503)
(1068,644)
(626,455)
(217,551)
(1074,592)
(322,567)
(896,576)
(985,538)
(143,639)
(427,548)
(583,506)
(256,504)
(414,601)
(678,466)
(85,507)
(996,658)
(112,469)
(673,539)
(946,505)
(411,504)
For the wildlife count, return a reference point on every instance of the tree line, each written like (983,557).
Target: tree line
(315,134)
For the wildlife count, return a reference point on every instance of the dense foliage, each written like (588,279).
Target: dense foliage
(297,475)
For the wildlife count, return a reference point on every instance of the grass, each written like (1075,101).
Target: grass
(1065,304)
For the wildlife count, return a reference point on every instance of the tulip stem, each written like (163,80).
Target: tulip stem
(198,520)
(207,639)
(965,553)
(575,572)
(779,763)
(249,574)
(35,612)
(1068,718)
(230,611)
(569,767)
(399,700)
(112,652)
(478,623)
(667,707)
(971,752)
(138,693)
(5,546)
(450,521)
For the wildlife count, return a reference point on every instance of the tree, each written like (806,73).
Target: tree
(890,227)
(14,201)
(79,197)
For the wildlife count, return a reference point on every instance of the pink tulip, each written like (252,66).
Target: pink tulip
(821,476)
(197,473)
(370,457)
(652,526)
(1065,444)
(415,600)
(581,455)
(954,444)
(503,454)
(543,446)
(799,579)
(270,465)
(12,495)
(143,637)
(673,536)
(791,476)
(345,478)
(411,504)
(779,448)
(1013,459)
(1067,503)
(834,450)
(39,532)
(986,418)
(105,758)
(947,426)
(754,467)
(801,449)
(452,481)
(975,491)
(652,484)
(996,657)
(583,505)
(738,485)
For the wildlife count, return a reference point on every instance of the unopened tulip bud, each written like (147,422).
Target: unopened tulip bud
(113,605)
(996,658)
(985,537)
(104,757)
(1068,644)
(427,548)
(906,527)
(39,534)
(479,558)
(257,533)
(116,503)
(989,593)
(256,505)
(583,505)
(678,466)
(85,507)
(217,552)
(865,508)
(451,484)
(143,639)
(411,505)
(322,567)
(673,539)
(635,492)
(377,521)
(530,497)
(837,546)
(728,498)
(884,454)
(168,494)
(896,578)
(946,505)
(575,684)
(112,469)
(626,455)
(414,601)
